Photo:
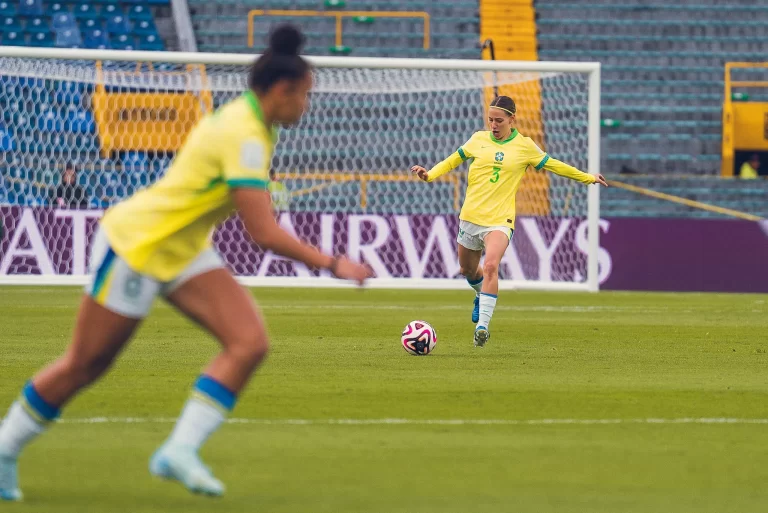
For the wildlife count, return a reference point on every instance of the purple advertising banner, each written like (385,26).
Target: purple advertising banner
(634,254)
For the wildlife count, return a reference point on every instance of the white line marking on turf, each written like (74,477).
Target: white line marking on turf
(420,422)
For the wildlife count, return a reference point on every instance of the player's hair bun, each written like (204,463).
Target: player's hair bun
(286,40)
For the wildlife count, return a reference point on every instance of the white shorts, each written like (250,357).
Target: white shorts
(472,236)
(125,292)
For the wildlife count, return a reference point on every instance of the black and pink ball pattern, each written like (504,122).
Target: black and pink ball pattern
(419,338)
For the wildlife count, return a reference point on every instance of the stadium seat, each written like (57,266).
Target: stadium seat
(68,38)
(7,9)
(7,141)
(135,161)
(79,121)
(13,39)
(123,42)
(150,42)
(54,8)
(11,24)
(85,11)
(31,7)
(140,12)
(118,24)
(63,20)
(111,10)
(42,40)
(145,27)
(37,24)
(95,38)
(51,121)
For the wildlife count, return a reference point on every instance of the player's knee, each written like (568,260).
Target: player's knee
(490,269)
(251,347)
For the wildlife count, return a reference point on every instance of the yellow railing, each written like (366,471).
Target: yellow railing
(364,178)
(745,124)
(339,15)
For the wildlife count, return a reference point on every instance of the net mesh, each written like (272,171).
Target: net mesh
(341,176)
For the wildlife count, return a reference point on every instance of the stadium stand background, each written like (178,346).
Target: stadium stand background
(662,81)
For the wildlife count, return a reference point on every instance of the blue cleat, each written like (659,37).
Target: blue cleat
(182,464)
(481,336)
(476,310)
(9,484)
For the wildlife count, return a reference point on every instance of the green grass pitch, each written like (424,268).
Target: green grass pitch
(600,367)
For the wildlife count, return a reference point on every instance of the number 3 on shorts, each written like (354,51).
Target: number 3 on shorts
(495,177)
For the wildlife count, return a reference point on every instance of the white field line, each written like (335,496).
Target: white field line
(457,307)
(423,422)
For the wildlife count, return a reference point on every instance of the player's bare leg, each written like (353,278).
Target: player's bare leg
(225,309)
(469,264)
(98,338)
(496,243)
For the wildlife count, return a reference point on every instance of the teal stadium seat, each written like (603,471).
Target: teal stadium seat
(7,8)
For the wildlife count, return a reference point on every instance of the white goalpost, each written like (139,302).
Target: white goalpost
(342,177)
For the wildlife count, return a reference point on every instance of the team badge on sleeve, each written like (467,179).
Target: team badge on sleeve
(252,154)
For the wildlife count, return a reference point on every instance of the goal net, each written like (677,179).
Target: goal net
(341,177)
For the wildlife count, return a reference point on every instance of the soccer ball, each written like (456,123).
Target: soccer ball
(419,338)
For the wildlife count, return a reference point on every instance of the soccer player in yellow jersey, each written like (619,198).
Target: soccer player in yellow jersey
(499,158)
(157,243)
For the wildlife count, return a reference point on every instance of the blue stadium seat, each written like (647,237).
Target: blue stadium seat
(118,24)
(150,43)
(145,27)
(7,9)
(90,24)
(123,42)
(7,141)
(79,121)
(31,7)
(37,24)
(135,161)
(140,12)
(54,8)
(63,20)
(95,38)
(42,40)
(11,24)
(13,39)
(69,38)
(85,12)
(51,121)
(19,187)
(111,10)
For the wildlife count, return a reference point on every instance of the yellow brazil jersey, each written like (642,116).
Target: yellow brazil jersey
(495,172)
(160,230)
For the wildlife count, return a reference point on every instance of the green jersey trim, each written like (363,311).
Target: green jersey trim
(543,161)
(251,183)
(253,102)
(462,154)
(505,141)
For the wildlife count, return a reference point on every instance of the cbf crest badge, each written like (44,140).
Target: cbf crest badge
(133,287)
(499,156)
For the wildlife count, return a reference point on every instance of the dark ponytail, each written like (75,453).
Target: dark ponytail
(280,61)
(504,103)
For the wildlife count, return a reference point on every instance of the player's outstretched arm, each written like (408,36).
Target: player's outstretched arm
(255,209)
(563,169)
(440,169)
